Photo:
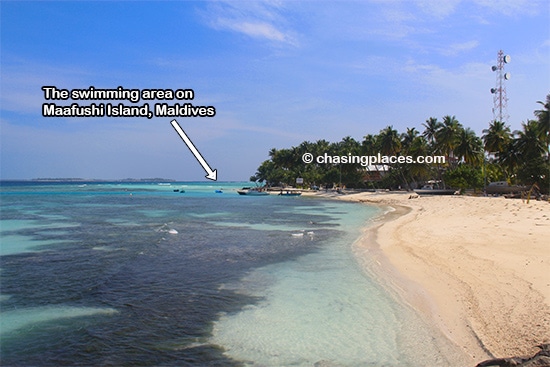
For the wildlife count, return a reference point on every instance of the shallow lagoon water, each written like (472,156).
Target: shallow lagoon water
(95,276)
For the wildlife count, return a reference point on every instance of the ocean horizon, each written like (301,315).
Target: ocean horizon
(193,274)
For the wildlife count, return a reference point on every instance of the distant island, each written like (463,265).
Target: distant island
(76,179)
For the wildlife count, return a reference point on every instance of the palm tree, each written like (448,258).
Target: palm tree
(408,138)
(510,158)
(544,131)
(272,152)
(528,141)
(544,118)
(281,157)
(389,142)
(496,138)
(320,147)
(469,147)
(431,127)
(322,171)
(368,146)
(544,125)
(349,173)
(533,167)
(284,162)
(349,145)
(446,135)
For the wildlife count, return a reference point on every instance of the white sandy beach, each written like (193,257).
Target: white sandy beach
(476,266)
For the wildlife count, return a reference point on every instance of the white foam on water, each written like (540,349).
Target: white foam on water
(209,215)
(260,226)
(122,222)
(159,213)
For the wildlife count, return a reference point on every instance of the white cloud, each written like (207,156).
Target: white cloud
(458,48)
(438,8)
(255,29)
(22,81)
(259,19)
(513,7)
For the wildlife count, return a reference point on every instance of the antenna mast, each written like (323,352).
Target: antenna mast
(500,100)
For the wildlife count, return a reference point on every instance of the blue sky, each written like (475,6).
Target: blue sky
(277,72)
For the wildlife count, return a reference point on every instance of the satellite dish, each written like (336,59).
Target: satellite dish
(507,76)
(494,68)
(493,90)
(507,59)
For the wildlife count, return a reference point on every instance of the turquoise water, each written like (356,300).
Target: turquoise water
(323,307)
(137,274)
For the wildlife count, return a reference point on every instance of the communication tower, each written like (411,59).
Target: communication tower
(500,100)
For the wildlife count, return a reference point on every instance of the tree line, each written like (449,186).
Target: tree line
(519,157)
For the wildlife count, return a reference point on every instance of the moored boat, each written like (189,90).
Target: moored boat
(290,192)
(252,191)
(430,190)
(502,187)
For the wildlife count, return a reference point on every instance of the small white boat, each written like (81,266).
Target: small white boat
(252,191)
(290,192)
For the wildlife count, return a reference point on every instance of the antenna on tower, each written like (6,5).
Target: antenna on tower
(500,100)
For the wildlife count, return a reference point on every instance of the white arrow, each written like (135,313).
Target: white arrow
(211,174)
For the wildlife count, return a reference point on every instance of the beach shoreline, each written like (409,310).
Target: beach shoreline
(475,267)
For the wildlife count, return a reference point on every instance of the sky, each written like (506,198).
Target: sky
(277,72)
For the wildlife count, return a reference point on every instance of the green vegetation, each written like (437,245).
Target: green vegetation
(519,157)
